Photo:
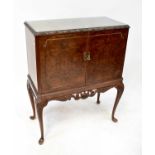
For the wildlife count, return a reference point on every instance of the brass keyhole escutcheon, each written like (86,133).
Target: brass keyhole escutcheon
(86,56)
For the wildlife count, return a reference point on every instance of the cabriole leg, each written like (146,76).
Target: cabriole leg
(120,89)
(31,100)
(40,107)
(98,98)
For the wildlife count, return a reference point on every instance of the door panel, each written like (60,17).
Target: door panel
(64,65)
(107,53)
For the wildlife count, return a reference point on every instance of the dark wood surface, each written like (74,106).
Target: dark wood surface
(107,50)
(74,64)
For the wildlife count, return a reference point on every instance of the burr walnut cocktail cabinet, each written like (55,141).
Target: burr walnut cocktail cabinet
(74,58)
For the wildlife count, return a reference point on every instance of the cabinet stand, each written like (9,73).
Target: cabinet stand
(42,102)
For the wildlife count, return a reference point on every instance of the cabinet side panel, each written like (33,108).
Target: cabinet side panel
(31,56)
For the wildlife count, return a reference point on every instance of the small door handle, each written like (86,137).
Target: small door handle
(86,56)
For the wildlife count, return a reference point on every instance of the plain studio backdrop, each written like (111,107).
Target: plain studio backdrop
(79,127)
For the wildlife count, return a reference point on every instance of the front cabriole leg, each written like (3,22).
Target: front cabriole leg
(40,106)
(120,89)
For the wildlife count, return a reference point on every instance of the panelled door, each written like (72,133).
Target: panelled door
(74,61)
(64,65)
(107,51)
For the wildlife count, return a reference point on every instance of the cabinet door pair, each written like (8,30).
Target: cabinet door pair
(80,60)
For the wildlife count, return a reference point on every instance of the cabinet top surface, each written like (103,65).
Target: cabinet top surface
(74,24)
